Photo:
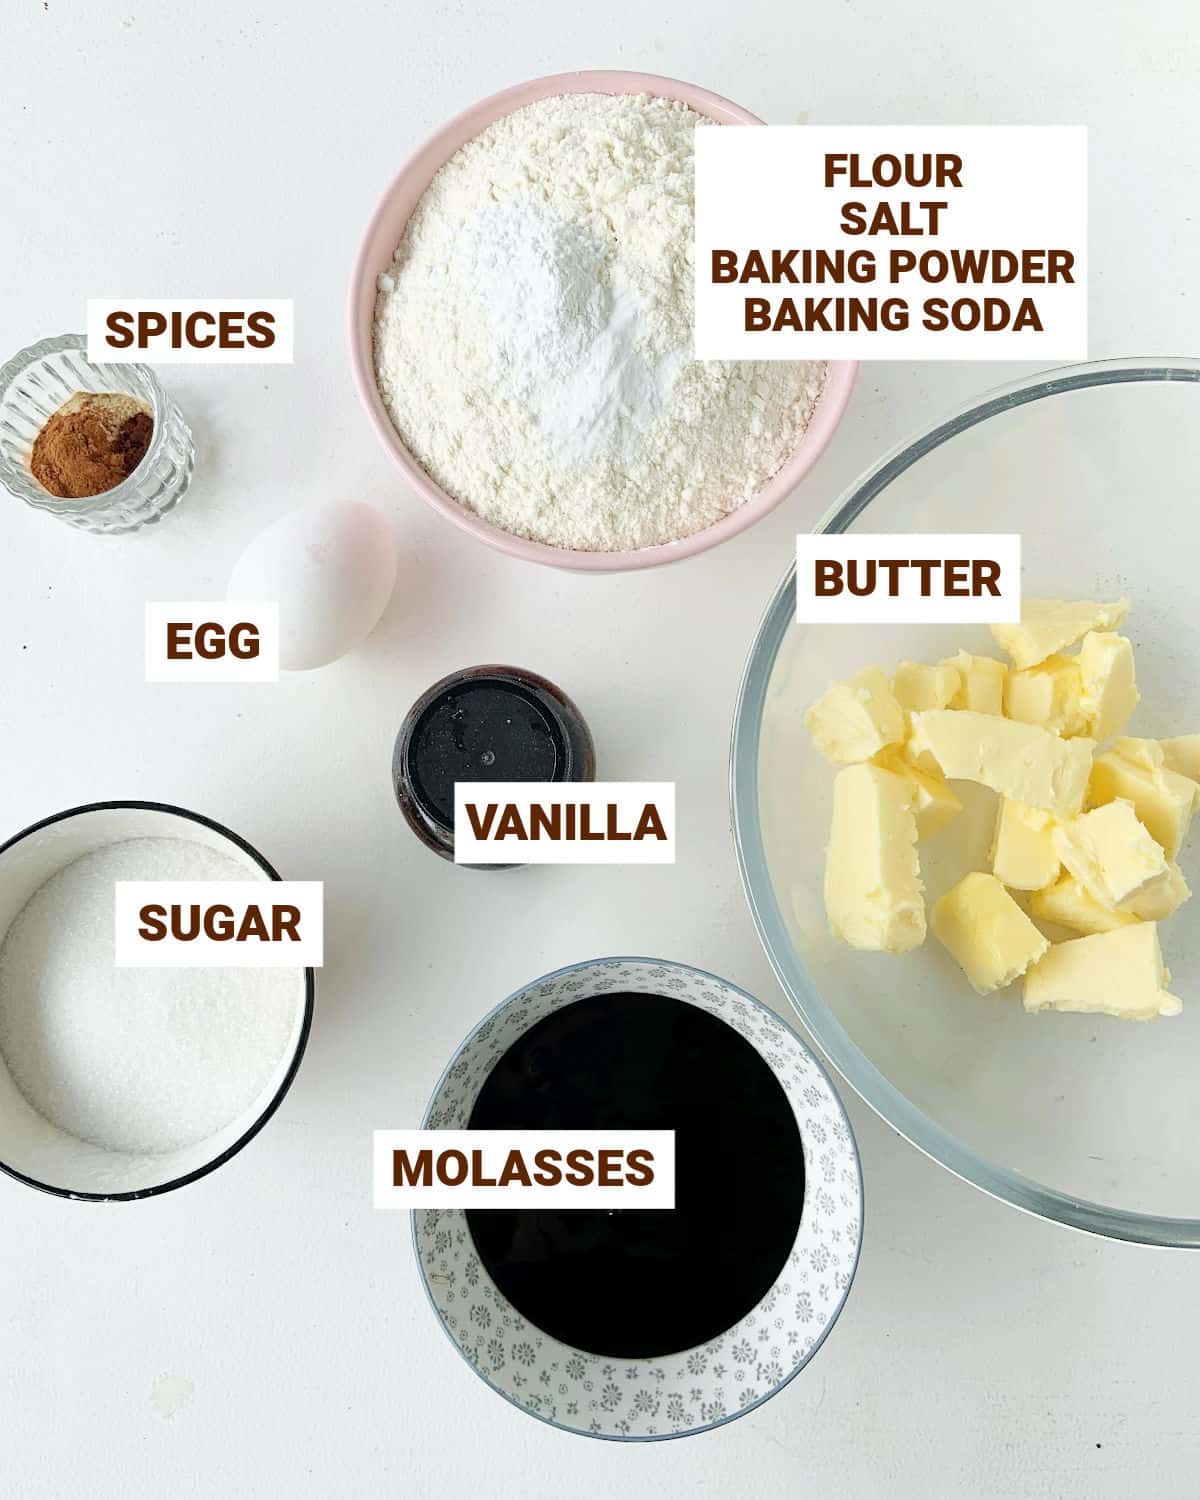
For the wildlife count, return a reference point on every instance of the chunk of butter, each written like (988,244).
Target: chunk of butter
(984,929)
(854,720)
(981,683)
(1163,800)
(873,892)
(1109,690)
(1181,753)
(917,685)
(1021,761)
(1148,753)
(1050,625)
(1069,903)
(933,802)
(1159,898)
(1110,852)
(1048,694)
(1117,973)
(1024,857)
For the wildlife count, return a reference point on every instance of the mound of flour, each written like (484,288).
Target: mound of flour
(533,335)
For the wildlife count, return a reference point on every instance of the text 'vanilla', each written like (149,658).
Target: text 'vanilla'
(564,823)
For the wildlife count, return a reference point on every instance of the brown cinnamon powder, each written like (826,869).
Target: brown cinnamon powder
(91,443)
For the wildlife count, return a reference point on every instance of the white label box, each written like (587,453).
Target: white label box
(564,822)
(891,242)
(898,578)
(215,640)
(617,1169)
(222,924)
(190,330)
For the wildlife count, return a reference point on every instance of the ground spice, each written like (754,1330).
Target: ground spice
(91,443)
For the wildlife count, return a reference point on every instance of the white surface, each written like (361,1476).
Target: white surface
(263,1331)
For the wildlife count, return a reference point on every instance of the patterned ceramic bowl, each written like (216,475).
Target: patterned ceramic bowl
(700,1388)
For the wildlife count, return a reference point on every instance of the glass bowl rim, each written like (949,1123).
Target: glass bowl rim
(850,1062)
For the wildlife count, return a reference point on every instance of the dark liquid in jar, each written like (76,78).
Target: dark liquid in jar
(482,731)
(640,1283)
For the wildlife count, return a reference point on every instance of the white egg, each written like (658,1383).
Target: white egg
(331,568)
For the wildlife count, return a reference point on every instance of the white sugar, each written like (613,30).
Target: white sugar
(146,1061)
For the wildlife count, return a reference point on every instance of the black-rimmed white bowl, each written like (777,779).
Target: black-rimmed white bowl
(34,1151)
(696,1389)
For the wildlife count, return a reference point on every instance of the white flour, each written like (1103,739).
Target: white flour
(139,1060)
(533,338)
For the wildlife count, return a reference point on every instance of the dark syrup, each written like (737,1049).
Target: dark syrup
(640,1283)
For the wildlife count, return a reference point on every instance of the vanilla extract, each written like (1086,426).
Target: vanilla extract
(484,724)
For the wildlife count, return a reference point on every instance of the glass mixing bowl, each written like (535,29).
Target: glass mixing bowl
(1086,1120)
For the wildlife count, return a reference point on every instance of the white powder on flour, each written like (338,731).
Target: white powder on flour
(533,337)
(139,1060)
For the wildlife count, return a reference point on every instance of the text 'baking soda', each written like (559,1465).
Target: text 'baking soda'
(885,578)
(190,331)
(524,1169)
(192,924)
(564,823)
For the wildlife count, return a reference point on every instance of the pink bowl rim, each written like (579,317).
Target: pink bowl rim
(828,412)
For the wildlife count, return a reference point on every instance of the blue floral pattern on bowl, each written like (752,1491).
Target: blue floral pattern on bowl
(698,1388)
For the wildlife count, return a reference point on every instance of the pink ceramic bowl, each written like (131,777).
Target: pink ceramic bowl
(383,235)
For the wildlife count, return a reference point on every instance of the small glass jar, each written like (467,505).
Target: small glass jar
(36,382)
(488,723)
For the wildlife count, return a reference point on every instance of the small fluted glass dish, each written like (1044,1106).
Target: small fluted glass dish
(37,381)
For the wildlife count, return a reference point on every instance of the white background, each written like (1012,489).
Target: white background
(263,1332)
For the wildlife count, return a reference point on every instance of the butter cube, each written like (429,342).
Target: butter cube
(1069,903)
(1148,753)
(933,802)
(873,891)
(1159,898)
(1050,625)
(1163,800)
(1023,854)
(981,683)
(1182,754)
(1048,694)
(985,930)
(1110,692)
(1117,973)
(1109,851)
(917,685)
(1020,761)
(854,720)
